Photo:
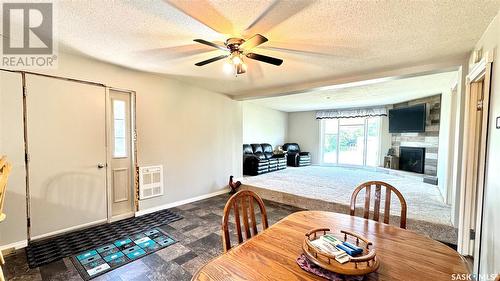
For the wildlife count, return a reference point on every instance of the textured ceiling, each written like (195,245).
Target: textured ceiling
(341,37)
(382,93)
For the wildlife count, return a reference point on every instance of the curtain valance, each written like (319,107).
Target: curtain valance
(351,113)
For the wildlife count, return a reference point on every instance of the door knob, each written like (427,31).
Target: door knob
(100,165)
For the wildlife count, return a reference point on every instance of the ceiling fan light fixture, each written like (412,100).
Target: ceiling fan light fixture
(236,58)
(237,49)
(228,67)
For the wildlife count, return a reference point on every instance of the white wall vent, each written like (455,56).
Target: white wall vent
(150,181)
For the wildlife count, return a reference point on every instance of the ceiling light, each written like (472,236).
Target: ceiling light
(236,59)
(228,68)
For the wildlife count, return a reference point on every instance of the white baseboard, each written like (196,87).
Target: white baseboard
(178,203)
(69,229)
(122,216)
(16,245)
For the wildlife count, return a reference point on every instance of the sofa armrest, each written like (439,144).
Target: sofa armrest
(279,155)
(250,158)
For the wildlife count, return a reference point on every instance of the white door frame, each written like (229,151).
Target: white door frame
(133,154)
(470,200)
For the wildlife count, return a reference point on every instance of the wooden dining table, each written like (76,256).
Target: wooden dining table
(272,254)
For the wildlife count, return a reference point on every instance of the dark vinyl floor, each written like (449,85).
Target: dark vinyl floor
(199,241)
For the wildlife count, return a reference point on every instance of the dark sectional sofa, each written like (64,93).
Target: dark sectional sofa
(259,159)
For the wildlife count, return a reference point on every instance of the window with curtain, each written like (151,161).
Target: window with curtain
(351,141)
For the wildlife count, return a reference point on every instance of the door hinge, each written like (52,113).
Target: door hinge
(26,157)
(25,91)
(472,234)
(480,105)
(29,222)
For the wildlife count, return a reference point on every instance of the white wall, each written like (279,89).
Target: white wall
(196,134)
(263,125)
(446,143)
(490,238)
(304,129)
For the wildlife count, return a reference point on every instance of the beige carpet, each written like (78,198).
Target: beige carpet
(330,188)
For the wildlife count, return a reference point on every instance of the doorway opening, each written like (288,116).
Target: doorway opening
(474,162)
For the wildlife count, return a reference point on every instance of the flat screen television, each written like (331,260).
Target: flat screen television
(408,119)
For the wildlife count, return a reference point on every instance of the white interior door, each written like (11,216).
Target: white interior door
(121,167)
(67,151)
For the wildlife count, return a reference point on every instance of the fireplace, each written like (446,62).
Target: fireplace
(412,159)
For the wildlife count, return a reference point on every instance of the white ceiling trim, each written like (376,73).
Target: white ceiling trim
(390,91)
(383,75)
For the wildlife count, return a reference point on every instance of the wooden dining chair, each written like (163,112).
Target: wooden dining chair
(5,169)
(367,186)
(242,202)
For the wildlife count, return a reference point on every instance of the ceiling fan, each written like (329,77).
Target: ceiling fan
(239,48)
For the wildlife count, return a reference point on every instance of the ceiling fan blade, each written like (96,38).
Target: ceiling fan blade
(255,73)
(202,63)
(276,13)
(175,52)
(303,52)
(224,48)
(202,11)
(310,49)
(253,42)
(265,59)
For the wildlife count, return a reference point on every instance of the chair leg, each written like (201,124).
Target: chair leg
(2,278)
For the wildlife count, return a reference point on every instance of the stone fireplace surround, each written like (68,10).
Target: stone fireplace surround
(428,139)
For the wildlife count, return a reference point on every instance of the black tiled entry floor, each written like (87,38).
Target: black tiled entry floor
(199,241)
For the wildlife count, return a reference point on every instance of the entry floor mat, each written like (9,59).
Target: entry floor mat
(94,262)
(52,249)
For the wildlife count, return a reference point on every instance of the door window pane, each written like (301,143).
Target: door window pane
(119,109)
(119,126)
(330,141)
(351,144)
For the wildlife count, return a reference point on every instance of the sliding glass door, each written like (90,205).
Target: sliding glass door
(330,141)
(351,141)
(372,141)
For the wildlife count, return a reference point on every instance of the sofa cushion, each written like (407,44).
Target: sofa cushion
(257,148)
(291,147)
(247,149)
(267,149)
